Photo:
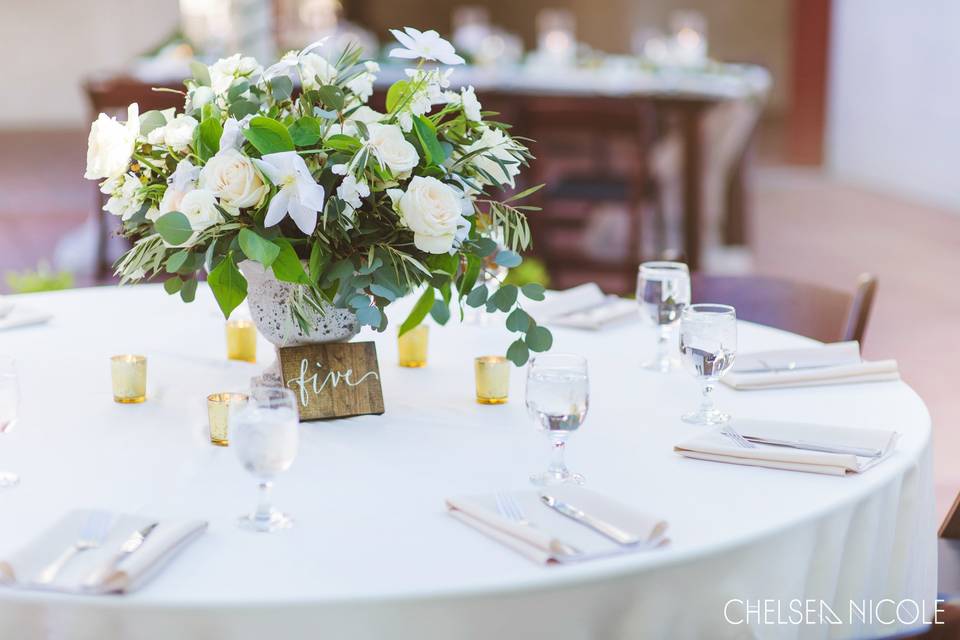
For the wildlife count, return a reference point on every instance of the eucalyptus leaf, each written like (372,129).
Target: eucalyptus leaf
(478,296)
(176,260)
(370,316)
(518,320)
(174,228)
(200,72)
(440,312)
(281,88)
(504,298)
(240,109)
(539,339)
(518,353)
(383,292)
(305,131)
(172,285)
(534,291)
(188,292)
(151,120)
(332,96)
(507,258)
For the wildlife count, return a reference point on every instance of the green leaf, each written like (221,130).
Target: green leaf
(207,138)
(242,108)
(440,311)
(340,270)
(383,292)
(359,301)
(174,228)
(332,96)
(200,72)
(539,339)
(484,247)
(281,88)
(523,194)
(470,275)
(258,248)
(508,259)
(189,290)
(478,296)
(268,136)
(504,298)
(370,316)
(228,285)
(428,139)
(518,353)
(341,142)
(305,131)
(397,94)
(419,311)
(175,261)
(318,262)
(239,87)
(172,285)
(151,120)
(533,291)
(287,266)
(518,320)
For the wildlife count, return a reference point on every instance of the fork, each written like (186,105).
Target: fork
(92,534)
(510,509)
(734,435)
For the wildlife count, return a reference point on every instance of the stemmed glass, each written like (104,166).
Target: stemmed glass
(663,290)
(9,408)
(708,343)
(265,433)
(558,396)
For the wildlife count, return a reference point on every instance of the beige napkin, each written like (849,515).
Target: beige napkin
(160,546)
(20,316)
(549,537)
(715,446)
(837,363)
(561,303)
(612,311)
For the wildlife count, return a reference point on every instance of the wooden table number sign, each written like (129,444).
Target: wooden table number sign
(333,380)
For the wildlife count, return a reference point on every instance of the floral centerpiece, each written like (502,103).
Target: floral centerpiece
(285,177)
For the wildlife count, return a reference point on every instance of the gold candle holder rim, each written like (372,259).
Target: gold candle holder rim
(490,360)
(128,357)
(226,397)
(240,322)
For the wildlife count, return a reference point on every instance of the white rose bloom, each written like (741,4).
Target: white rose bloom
(199,96)
(391,148)
(362,114)
(350,191)
(315,71)
(182,180)
(232,176)
(178,134)
(362,85)
(200,207)
(224,71)
(496,143)
(126,200)
(110,145)
(405,120)
(432,210)
(471,106)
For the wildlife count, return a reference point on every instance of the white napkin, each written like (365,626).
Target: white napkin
(20,316)
(162,544)
(612,311)
(549,537)
(837,363)
(715,446)
(5,307)
(561,303)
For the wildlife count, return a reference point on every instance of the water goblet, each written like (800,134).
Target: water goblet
(663,290)
(265,433)
(558,396)
(708,345)
(9,410)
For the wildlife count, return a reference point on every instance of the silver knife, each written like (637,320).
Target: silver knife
(813,446)
(129,546)
(602,527)
(790,366)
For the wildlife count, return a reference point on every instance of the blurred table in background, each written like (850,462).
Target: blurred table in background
(639,163)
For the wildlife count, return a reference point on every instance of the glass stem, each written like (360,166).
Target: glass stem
(558,463)
(663,346)
(706,404)
(264,507)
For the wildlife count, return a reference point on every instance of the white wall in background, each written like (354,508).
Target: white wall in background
(894,97)
(48,46)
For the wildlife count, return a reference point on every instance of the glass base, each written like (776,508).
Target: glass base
(275,521)
(413,364)
(129,399)
(549,478)
(483,400)
(707,418)
(9,480)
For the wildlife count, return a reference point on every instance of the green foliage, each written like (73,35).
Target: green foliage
(174,228)
(532,271)
(207,138)
(43,278)
(228,285)
(258,248)
(268,135)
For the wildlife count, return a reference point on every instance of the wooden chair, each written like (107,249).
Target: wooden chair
(818,312)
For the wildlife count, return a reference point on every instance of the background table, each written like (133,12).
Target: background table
(374,555)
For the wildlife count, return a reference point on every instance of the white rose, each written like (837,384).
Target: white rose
(471,106)
(199,96)
(200,207)
(315,71)
(110,145)
(432,211)
(494,142)
(224,71)
(181,181)
(391,147)
(232,176)
(126,199)
(178,134)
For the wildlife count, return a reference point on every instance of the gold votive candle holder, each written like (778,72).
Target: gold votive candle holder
(412,347)
(493,379)
(129,375)
(219,406)
(242,340)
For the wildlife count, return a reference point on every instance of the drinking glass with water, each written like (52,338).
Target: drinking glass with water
(708,346)
(663,290)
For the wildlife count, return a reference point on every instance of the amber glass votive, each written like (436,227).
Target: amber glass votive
(129,374)
(242,340)
(493,379)
(412,347)
(218,413)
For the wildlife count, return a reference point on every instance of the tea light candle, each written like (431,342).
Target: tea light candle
(492,378)
(412,347)
(218,414)
(129,374)
(241,340)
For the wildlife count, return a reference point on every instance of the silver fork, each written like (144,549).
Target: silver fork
(92,534)
(734,435)
(510,509)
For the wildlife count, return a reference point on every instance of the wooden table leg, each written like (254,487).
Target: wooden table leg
(691,119)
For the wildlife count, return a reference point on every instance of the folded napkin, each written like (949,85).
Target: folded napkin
(837,363)
(20,316)
(22,568)
(546,536)
(561,303)
(611,311)
(5,307)
(717,447)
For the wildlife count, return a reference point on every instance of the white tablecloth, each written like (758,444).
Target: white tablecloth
(375,556)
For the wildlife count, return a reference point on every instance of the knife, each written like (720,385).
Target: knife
(790,366)
(602,527)
(129,546)
(813,446)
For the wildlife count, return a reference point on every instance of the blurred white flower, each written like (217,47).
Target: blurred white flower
(494,145)
(315,71)
(471,106)
(427,45)
(299,196)
(339,169)
(181,181)
(391,148)
(232,136)
(126,197)
(197,97)
(225,70)
(362,85)
(200,208)
(110,145)
(178,134)
(351,191)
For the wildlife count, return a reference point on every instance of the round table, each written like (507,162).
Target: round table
(374,554)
